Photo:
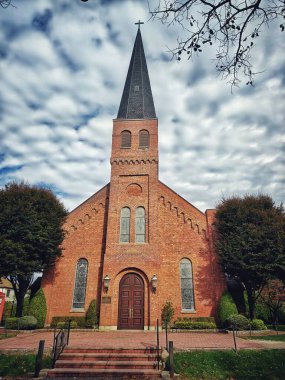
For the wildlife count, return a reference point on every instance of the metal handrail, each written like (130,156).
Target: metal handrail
(61,340)
(157,345)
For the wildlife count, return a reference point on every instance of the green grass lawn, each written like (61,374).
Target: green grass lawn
(220,365)
(278,338)
(18,365)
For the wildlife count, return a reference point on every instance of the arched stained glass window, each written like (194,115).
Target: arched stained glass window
(125,225)
(80,284)
(140,225)
(143,139)
(186,283)
(126,139)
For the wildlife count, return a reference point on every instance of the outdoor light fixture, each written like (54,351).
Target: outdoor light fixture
(154,282)
(106,282)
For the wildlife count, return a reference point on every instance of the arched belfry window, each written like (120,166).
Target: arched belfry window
(126,139)
(140,225)
(125,225)
(143,139)
(80,284)
(186,284)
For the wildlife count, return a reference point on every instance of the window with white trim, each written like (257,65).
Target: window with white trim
(140,225)
(80,284)
(186,285)
(125,225)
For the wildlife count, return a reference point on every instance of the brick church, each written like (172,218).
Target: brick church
(135,244)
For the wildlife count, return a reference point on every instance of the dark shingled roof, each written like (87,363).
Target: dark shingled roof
(137,101)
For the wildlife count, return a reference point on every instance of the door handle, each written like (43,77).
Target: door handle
(130,313)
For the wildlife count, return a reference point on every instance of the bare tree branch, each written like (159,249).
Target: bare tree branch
(230,25)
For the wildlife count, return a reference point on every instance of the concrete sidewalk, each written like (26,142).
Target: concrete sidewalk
(29,341)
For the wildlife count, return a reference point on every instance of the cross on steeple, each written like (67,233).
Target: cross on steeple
(139,23)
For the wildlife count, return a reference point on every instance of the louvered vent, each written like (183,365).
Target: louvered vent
(126,139)
(144,139)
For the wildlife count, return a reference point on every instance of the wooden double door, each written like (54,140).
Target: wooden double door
(131,302)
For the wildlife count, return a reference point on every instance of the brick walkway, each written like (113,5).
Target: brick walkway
(129,339)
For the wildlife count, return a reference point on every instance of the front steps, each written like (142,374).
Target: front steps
(106,363)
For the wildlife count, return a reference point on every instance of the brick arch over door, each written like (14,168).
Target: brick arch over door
(131,302)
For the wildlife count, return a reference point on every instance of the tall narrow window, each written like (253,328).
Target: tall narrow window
(140,225)
(143,139)
(126,139)
(80,284)
(186,283)
(125,225)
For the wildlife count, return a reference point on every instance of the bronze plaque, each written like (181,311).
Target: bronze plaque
(106,299)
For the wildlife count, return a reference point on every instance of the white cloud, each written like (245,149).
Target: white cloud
(61,89)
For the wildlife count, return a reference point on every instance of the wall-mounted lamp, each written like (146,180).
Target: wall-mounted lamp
(106,283)
(153,282)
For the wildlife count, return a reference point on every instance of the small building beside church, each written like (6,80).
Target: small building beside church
(135,244)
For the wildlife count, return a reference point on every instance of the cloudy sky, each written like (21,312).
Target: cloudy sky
(63,66)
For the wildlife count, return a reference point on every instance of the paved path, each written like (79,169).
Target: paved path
(134,339)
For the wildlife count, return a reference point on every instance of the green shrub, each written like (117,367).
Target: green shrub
(91,319)
(12,323)
(28,322)
(26,306)
(8,312)
(226,308)
(239,321)
(79,320)
(167,313)
(189,325)
(258,324)
(262,311)
(38,308)
(281,315)
(64,325)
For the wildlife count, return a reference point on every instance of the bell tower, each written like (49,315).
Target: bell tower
(131,253)
(134,140)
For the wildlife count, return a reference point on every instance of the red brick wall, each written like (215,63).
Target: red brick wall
(85,226)
(175,229)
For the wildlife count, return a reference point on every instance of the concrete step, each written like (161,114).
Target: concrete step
(106,356)
(105,364)
(147,350)
(106,373)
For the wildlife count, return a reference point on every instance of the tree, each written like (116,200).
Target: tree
(5,3)
(250,241)
(273,296)
(31,221)
(231,26)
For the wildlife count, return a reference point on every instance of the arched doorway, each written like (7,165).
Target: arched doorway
(131,302)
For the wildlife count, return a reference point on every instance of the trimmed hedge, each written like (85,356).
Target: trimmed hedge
(258,324)
(64,325)
(79,320)
(240,322)
(24,323)
(38,308)
(91,319)
(12,323)
(197,319)
(189,325)
(226,308)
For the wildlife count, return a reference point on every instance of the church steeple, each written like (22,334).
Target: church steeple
(137,101)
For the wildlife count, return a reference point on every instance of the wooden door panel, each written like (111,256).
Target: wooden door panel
(131,302)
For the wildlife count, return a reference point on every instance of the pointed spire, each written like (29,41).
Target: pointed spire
(137,101)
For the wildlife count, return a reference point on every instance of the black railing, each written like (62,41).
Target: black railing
(61,340)
(157,345)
